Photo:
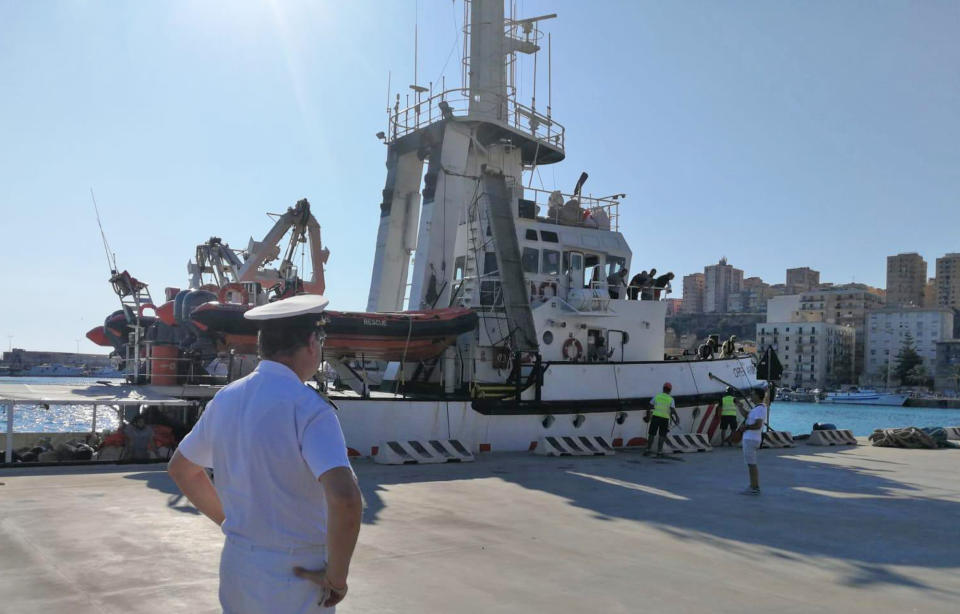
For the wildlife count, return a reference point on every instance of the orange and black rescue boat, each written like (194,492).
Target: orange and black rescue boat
(407,335)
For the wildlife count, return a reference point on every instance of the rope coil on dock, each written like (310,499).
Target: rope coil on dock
(911,437)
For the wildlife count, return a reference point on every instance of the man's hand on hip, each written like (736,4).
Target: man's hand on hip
(332,595)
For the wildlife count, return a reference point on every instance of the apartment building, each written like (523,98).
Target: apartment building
(906,280)
(720,280)
(948,281)
(693,286)
(887,330)
(813,354)
(802,279)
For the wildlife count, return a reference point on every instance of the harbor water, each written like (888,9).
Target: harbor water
(59,418)
(797,418)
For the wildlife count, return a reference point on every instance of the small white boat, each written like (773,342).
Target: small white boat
(856,396)
(53,370)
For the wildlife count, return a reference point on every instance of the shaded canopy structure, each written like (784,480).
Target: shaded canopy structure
(14,394)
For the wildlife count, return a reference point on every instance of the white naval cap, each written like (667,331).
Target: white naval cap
(301,305)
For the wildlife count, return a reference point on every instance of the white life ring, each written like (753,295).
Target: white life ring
(572,342)
(224,294)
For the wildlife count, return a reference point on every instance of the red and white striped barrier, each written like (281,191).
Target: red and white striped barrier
(432,451)
(840,437)
(573,445)
(777,439)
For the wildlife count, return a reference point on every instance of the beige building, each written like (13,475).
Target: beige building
(930,293)
(753,297)
(948,281)
(813,354)
(906,280)
(720,280)
(802,279)
(693,285)
(674,306)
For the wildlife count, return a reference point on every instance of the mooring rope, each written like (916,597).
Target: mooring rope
(911,437)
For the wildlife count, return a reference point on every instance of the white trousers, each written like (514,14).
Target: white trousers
(257,580)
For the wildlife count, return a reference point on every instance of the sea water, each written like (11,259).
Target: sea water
(799,418)
(59,418)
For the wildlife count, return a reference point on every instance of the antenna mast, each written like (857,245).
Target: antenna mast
(111,264)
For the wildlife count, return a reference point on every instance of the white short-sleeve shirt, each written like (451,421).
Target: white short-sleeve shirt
(269,438)
(757,413)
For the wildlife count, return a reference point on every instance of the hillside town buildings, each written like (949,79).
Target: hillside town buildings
(862,325)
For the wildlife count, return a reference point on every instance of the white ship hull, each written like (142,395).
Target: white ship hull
(569,390)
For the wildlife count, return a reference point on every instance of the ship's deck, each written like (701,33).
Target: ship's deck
(854,530)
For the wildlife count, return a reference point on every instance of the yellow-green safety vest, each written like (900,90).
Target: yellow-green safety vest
(728,407)
(661,405)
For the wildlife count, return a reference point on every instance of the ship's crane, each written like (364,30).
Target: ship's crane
(217,258)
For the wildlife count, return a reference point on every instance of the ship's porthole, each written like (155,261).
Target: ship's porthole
(548,337)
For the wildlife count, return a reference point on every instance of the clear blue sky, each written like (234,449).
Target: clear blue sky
(779,134)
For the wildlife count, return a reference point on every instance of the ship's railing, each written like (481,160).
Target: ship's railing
(456,103)
(594,212)
(140,371)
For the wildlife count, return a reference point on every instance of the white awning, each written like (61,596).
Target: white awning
(97,394)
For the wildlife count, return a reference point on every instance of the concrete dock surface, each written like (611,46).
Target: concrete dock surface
(855,529)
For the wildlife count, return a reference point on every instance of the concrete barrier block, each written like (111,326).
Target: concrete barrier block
(429,451)
(839,437)
(778,439)
(573,445)
(688,442)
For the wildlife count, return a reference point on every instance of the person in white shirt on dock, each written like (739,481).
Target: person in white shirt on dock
(285,497)
(753,437)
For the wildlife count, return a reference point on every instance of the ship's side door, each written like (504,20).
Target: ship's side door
(572,271)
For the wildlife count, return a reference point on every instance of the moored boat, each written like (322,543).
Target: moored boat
(863,396)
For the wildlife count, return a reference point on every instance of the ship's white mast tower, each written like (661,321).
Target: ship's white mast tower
(462,134)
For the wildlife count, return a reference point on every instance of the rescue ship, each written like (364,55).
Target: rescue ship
(506,333)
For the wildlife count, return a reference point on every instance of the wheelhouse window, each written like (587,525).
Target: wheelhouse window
(491,294)
(549,236)
(551,262)
(591,269)
(530,260)
(614,264)
(531,234)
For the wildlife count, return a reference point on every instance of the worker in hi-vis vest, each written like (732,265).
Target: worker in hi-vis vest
(663,409)
(730,407)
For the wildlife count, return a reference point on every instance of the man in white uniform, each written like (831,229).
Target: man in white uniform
(285,496)
(752,437)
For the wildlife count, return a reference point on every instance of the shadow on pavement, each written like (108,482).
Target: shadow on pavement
(811,508)
(160,480)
